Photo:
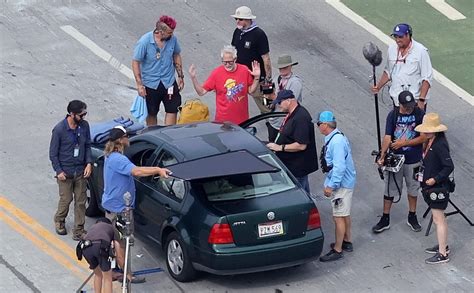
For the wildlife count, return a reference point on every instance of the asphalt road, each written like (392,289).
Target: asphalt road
(43,67)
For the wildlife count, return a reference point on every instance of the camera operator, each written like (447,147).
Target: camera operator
(252,45)
(402,139)
(287,80)
(437,165)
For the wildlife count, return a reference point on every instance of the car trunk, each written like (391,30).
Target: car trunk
(278,217)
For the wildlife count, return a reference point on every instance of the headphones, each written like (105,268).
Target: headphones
(410,31)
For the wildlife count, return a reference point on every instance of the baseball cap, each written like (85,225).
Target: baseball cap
(168,20)
(117,132)
(406,98)
(401,30)
(324,117)
(283,95)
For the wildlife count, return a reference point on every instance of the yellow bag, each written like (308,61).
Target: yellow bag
(193,110)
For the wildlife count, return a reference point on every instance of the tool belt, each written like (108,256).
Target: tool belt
(106,250)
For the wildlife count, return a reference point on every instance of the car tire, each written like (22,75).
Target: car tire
(92,207)
(178,261)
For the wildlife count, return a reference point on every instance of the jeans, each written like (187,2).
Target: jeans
(304,182)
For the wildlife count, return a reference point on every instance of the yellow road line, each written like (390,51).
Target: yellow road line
(43,246)
(41,231)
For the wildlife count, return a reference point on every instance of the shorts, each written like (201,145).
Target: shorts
(342,202)
(394,179)
(155,97)
(94,258)
(118,236)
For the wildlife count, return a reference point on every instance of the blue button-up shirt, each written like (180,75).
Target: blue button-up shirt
(339,155)
(63,142)
(156,64)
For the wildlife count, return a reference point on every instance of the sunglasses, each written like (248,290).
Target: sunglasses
(228,62)
(398,37)
(319,123)
(82,115)
(239,19)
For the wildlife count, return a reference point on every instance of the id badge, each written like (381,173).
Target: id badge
(76,152)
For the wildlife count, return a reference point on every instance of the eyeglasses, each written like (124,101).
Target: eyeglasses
(228,62)
(239,19)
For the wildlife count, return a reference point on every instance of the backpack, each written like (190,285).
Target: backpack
(193,110)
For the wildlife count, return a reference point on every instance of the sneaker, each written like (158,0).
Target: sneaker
(383,224)
(332,255)
(437,258)
(413,223)
(60,228)
(435,249)
(346,246)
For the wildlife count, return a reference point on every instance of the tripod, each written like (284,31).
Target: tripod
(457,211)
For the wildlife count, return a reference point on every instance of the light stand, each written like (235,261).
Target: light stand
(126,284)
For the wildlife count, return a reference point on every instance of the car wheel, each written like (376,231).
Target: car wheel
(92,207)
(177,259)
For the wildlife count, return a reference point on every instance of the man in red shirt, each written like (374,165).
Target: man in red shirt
(232,83)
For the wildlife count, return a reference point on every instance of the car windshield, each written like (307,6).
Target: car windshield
(245,186)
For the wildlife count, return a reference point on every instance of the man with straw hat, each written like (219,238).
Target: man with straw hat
(287,80)
(433,178)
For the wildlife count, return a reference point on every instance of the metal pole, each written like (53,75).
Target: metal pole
(377,118)
(126,285)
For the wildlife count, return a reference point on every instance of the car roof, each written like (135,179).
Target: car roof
(204,139)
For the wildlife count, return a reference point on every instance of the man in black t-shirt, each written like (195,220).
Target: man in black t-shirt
(295,143)
(251,43)
(401,138)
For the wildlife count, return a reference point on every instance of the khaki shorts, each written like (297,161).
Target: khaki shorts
(406,172)
(342,202)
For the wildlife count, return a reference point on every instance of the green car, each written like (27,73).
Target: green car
(229,207)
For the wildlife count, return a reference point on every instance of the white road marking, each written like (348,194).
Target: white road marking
(343,9)
(446,9)
(88,43)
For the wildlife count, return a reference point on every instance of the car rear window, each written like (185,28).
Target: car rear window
(245,186)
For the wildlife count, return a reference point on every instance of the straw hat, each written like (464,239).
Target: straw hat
(243,12)
(431,124)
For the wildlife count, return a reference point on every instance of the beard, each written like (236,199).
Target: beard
(166,39)
(77,121)
(240,27)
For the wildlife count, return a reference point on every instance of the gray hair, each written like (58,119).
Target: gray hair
(332,124)
(229,49)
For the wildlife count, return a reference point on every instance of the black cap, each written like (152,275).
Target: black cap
(117,132)
(283,95)
(406,98)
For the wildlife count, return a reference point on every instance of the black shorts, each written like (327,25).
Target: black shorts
(94,258)
(439,205)
(155,97)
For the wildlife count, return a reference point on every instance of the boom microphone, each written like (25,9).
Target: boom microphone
(372,53)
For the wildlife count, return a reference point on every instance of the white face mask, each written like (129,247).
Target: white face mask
(240,27)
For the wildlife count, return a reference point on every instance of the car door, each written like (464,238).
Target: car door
(159,197)
(259,126)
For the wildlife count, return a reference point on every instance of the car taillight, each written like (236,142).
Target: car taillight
(220,234)
(314,221)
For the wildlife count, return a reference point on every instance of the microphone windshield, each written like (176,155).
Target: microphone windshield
(372,53)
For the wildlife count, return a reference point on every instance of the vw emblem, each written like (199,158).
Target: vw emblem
(271,216)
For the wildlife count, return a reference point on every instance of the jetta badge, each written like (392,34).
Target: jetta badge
(271,216)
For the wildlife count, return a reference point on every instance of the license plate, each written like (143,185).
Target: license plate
(270,229)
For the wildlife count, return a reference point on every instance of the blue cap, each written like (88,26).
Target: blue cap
(324,117)
(283,95)
(401,30)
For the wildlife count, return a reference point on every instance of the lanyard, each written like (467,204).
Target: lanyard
(74,133)
(402,58)
(427,148)
(284,122)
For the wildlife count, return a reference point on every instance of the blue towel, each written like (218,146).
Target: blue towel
(138,109)
(100,131)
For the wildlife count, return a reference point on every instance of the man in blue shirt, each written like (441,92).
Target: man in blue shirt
(70,155)
(336,161)
(155,58)
(118,180)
